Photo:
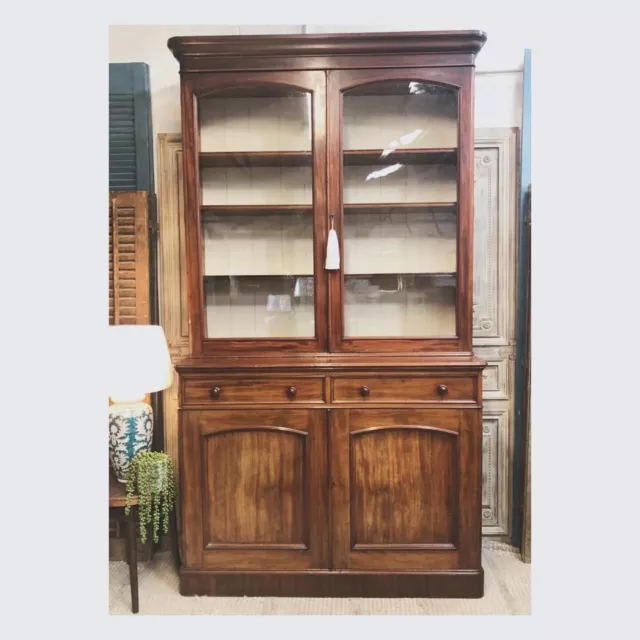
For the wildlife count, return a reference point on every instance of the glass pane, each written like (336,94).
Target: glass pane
(400,209)
(267,306)
(257,213)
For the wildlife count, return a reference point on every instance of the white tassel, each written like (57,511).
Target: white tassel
(333,250)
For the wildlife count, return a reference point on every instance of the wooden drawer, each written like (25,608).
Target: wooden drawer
(252,390)
(409,388)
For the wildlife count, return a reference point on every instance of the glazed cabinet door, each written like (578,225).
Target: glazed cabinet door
(255,169)
(400,178)
(405,489)
(254,489)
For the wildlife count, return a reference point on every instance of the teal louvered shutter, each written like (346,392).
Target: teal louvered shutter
(130,135)
(131,169)
(131,146)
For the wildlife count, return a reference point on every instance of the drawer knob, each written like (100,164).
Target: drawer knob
(215,392)
(443,390)
(291,392)
(365,391)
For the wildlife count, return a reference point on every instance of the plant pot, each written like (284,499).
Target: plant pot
(130,432)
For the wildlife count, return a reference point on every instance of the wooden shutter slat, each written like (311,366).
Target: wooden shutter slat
(129,272)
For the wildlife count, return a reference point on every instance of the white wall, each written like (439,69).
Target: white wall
(149,44)
(498,99)
(498,81)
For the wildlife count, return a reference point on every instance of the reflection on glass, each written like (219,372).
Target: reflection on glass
(257,202)
(263,244)
(400,241)
(400,209)
(267,118)
(400,306)
(259,307)
(400,115)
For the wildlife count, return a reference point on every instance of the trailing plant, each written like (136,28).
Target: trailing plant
(151,479)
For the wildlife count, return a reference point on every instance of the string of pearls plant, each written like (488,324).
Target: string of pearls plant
(151,478)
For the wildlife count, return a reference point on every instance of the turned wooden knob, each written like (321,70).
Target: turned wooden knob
(291,392)
(365,391)
(215,392)
(443,389)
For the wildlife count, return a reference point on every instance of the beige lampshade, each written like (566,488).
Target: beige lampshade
(138,362)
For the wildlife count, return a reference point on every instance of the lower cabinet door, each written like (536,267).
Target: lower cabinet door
(406,487)
(255,489)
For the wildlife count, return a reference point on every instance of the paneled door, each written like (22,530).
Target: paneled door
(256,210)
(256,494)
(404,480)
(401,193)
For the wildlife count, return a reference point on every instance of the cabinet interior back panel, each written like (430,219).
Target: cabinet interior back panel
(405,122)
(399,310)
(268,307)
(262,244)
(256,185)
(399,242)
(400,183)
(362,184)
(255,124)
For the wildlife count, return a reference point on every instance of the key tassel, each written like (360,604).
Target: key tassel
(333,250)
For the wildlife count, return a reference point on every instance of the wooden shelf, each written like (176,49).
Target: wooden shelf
(366,207)
(352,157)
(254,209)
(360,157)
(403,275)
(266,275)
(300,286)
(256,159)
(404,207)
(283,276)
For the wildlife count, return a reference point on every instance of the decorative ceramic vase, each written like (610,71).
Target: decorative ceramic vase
(130,431)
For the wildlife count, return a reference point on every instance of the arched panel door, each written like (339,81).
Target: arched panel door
(400,190)
(405,486)
(256,168)
(256,498)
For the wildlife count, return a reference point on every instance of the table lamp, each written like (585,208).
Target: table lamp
(138,364)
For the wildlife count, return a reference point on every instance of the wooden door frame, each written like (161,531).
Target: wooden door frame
(460,78)
(195,86)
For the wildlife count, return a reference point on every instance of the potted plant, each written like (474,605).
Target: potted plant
(151,479)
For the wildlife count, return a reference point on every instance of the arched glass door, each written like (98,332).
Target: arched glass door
(400,212)
(260,166)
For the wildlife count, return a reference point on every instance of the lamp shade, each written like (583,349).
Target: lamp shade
(138,362)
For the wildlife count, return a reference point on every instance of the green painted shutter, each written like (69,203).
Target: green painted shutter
(131,147)
(131,169)
(130,134)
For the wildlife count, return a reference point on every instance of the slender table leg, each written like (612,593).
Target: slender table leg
(132,557)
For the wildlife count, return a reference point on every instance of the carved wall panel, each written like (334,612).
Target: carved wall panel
(496,460)
(498,376)
(172,277)
(495,237)
(494,330)
(494,300)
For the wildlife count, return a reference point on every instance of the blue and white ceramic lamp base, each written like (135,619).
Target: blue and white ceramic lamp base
(130,431)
